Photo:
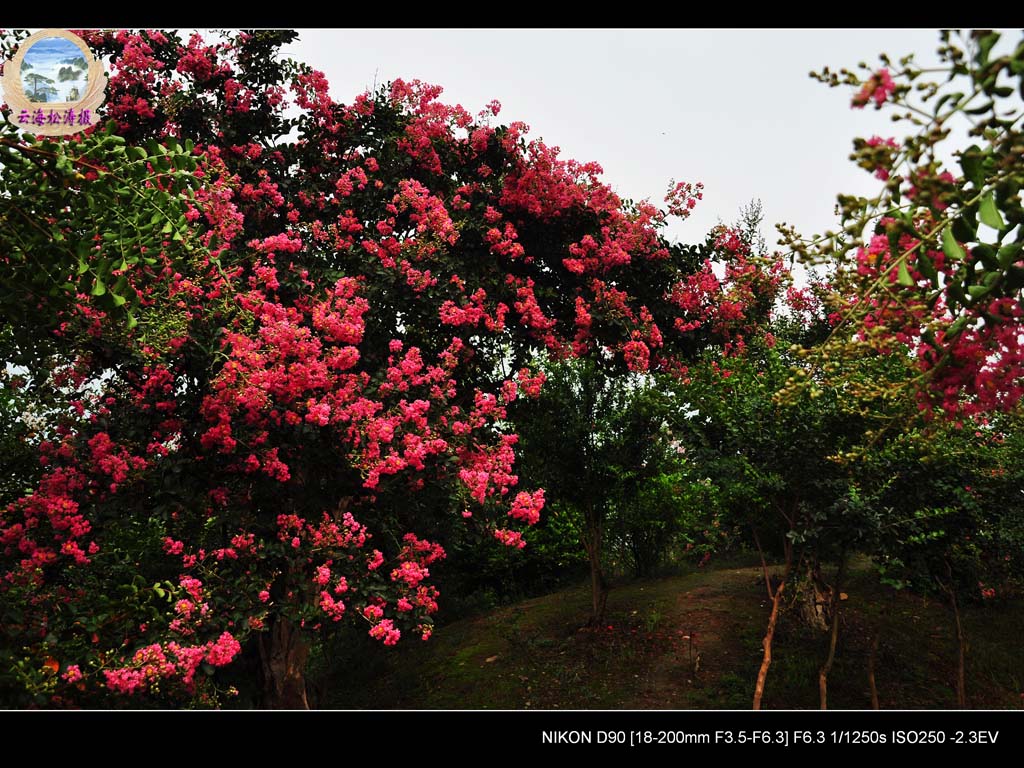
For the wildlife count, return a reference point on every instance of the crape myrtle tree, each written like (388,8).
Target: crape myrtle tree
(930,269)
(786,466)
(808,462)
(597,437)
(735,431)
(937,509)
(260,345)
(935,259)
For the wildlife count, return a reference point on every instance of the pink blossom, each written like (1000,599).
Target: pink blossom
(878,88)
(386,632)
(510,538)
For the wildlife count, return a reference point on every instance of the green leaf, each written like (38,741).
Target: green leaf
(99,288)
(1009,254)
(904,277)
(951,247)
(990,214)
(979,110)
(977,291)
(985,46)
(927,268)
(971,162)
(987,255)
(118,299)
(956,292)
(82,267)
(1015,278)
(965,226)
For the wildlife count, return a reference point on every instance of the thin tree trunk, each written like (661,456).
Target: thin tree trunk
(961,670)
(598,584)
(873,656)
(871,668)
(764,565)
(283,652)
(833,635)
(599,588)
(593,517)
(961,640)
(766,661)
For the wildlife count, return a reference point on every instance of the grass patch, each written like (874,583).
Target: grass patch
(690,641)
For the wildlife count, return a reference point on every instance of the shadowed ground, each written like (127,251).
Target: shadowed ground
(692,642)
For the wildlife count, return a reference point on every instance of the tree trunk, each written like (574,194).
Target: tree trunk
(814,598)
(766,661)
(764,565)
(598,585)
(283,653)
(961,669)
(873,656)
(776,594)
(961,641)
(833,635)
(871,667)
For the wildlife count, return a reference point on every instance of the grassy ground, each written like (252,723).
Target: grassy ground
(691,642)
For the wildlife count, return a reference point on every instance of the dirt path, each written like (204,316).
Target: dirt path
(712,622)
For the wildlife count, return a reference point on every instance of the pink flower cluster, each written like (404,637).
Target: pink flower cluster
(878,88)
(162,661)
(637,355)
(510,538)
(386,632)
(527,506)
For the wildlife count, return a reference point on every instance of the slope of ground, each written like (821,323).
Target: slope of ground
(691,642)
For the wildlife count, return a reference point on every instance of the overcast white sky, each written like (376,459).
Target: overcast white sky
(733,108)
